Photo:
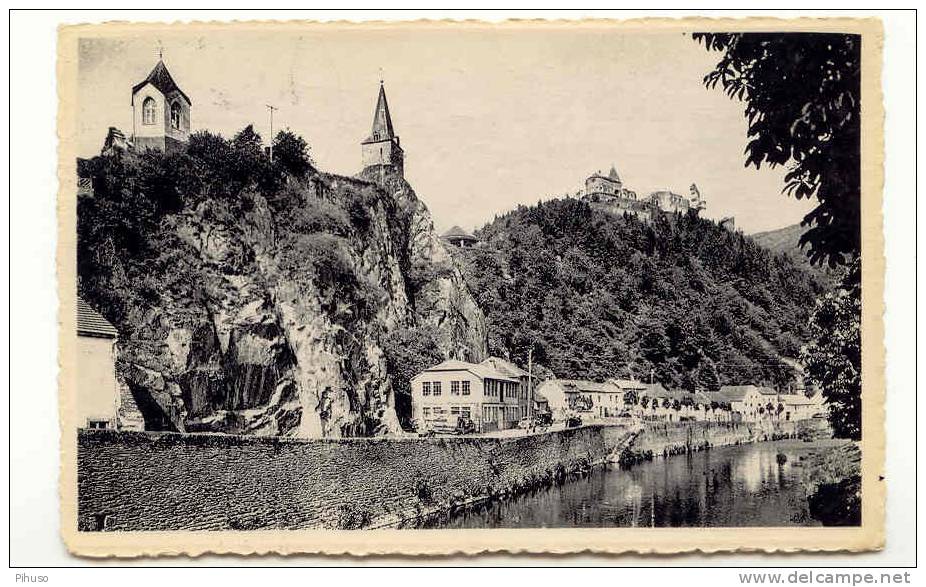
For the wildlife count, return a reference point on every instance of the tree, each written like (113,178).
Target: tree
(291,153)
(802,96)
(409,351)
(833,361)
(706,376)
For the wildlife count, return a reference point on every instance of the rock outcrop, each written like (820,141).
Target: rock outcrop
(268,316)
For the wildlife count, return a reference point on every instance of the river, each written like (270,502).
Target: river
(746,485)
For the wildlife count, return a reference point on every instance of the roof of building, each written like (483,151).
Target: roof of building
(798,399)
(628,383)
(658,391)
(92,323)
(481,370)
(162,80)
(583,385)
(505,367)
(609,177)
(382,121)
(457,232)
(734,393)
(703,398)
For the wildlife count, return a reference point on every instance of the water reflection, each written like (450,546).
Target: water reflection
(731,486)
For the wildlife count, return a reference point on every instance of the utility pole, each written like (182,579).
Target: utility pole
(271,109)
(530,381)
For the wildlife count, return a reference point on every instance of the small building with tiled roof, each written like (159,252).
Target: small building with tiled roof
(97,389)
(458,237)
(489,394)
(160,112)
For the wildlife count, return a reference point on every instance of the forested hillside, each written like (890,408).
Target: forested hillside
(787,240)
(598,295)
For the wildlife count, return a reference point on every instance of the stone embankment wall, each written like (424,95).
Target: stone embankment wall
(167,481)
(664,438)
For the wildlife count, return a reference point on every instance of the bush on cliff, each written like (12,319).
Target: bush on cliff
(408,352)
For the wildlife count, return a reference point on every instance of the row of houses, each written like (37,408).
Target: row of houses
(495,394)
(621,397)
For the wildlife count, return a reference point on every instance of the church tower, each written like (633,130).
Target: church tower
(160,112)
(382,146)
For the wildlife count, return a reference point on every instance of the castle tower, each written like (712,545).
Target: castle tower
(160,112)
(382,146)
(613,176)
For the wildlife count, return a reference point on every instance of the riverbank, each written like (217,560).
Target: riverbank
(760,484)
(663,439)
(162,481)
(833,480)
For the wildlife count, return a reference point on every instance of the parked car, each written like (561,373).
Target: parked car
(573,422)
(465,426)
(543,419)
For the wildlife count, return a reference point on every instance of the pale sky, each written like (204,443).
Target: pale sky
(489,118)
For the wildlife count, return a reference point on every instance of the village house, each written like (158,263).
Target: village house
(798,406)
(526,390)
(97,388)
(587,398)
(489,397)
(749,403)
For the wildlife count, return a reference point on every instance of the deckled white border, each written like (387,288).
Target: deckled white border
(540,540)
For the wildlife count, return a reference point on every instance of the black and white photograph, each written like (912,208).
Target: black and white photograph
(399,287)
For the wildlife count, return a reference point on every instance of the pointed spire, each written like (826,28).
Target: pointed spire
(613,173)
(162,80)
(382,121)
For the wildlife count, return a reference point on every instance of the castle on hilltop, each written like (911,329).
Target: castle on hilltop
(608,193)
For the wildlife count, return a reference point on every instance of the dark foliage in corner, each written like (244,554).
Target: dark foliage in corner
(802,95)
(833,359)
(604,296)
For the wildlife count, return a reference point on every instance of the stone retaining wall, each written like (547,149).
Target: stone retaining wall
(166,481)
(664,438)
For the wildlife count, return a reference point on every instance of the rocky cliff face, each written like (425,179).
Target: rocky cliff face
(268,316)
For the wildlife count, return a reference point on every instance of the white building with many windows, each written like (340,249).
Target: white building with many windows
(488,396)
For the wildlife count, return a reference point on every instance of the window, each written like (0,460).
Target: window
(176,115)
(466,388)
(97,424)
(465,412)
(149,111)
(454,388)
(454,410)
(426,412)
(435,388)
(426,388)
